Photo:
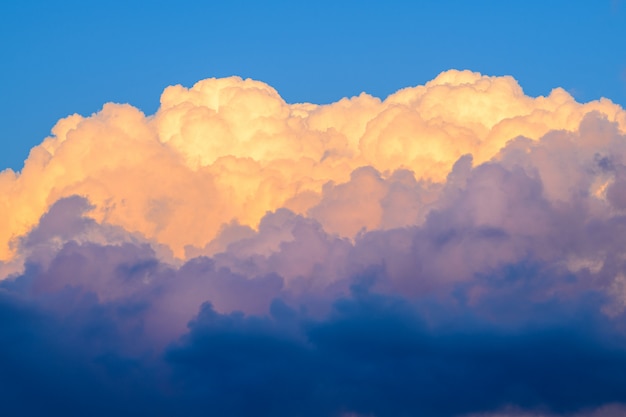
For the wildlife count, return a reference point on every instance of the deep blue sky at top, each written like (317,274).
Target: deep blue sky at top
(64,57)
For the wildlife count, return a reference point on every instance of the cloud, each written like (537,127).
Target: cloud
(611,410)
(230,150)
(453,250)
(371,355)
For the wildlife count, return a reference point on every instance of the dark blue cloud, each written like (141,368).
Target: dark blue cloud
(377,356)
(53,366)
(372,354)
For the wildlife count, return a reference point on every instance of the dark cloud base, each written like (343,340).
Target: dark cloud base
(372,354)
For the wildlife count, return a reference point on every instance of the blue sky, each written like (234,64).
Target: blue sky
(60,58)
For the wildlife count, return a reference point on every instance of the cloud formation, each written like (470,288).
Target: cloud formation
(231,149)
(454,250)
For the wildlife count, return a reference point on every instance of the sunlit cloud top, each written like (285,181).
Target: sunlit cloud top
(230,150)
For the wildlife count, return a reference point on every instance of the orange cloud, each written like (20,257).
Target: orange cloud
(230,150)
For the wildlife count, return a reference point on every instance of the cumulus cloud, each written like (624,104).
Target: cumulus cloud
(454,250)
(230,150)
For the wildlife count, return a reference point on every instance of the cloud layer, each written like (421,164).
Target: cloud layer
(454,250)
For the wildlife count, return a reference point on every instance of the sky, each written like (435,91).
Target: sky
(60,58)
(329,209)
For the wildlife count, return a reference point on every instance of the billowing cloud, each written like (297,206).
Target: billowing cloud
(230,150)
(454,250)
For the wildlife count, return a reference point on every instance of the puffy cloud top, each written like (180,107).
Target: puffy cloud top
(231,150)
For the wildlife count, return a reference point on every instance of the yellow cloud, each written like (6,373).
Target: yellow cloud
(230,150)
